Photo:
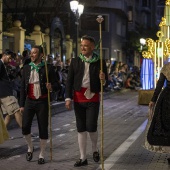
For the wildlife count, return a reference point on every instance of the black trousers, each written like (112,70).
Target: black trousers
(40,108)
(86,116)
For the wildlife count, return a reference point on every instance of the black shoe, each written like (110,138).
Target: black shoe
(80,163)
(29,155)
(168,161)
(41,161)
(96,156)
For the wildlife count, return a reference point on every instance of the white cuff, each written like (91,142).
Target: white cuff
(67,99)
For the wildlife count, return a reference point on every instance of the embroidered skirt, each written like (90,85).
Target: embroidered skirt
(159,130)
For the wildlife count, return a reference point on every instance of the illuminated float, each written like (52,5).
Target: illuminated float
(155,57)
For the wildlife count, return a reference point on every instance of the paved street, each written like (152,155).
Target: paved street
(124,125)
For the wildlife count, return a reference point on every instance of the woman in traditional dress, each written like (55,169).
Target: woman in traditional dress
(3,131)
(158,135)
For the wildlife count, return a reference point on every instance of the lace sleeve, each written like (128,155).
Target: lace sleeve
(166,71)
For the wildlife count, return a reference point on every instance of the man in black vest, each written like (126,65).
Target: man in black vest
(83,81)
(34,99)
(7,99)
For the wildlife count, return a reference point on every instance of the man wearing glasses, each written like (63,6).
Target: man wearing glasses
(7,100)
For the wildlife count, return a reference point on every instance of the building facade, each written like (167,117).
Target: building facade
(125,22)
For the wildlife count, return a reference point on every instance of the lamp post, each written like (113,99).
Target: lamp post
(77,9)
(142,42)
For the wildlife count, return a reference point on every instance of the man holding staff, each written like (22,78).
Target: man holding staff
(34,99)
(83,85)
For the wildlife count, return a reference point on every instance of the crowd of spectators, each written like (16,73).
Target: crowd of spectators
(121,76)
(61,70)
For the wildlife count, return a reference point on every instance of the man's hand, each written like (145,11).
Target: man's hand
(22,109)
(49,87)
(102,76)
(68,104)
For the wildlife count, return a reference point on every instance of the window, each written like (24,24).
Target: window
(130,13)
(118,28)
(105,53)
(146,3)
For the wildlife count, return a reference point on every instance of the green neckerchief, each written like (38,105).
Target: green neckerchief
(95,57)
(36,67)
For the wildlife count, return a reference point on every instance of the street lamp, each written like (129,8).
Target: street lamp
(77,9)
(142,42)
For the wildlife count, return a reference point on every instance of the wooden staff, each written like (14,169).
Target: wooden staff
(99,20)
(49,103)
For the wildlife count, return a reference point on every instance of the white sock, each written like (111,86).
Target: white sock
(43,143)
(94,138)
(29,142)
(82,141)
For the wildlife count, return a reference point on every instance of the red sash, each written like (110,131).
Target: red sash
(79,96)
(31,94)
